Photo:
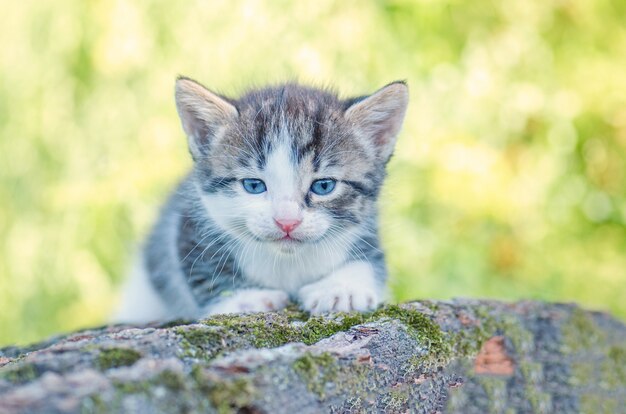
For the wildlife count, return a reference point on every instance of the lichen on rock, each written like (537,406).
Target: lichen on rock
(458,356)
(117,357)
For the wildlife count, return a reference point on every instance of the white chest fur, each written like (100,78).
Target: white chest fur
(269,268)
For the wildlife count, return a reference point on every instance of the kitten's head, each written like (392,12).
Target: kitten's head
(290,165)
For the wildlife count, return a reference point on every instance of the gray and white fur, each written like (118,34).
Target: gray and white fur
(253,225)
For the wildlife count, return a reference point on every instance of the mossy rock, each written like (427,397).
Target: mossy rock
(463,356)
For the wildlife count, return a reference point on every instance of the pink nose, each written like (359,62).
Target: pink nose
(287,225)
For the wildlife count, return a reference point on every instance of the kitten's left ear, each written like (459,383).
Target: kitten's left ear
(379,116)
(202,113)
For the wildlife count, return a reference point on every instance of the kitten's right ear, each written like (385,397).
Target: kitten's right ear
(379,117)
(202,113)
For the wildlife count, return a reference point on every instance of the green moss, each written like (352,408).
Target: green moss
(171,380)
(196,374)
(263,331)
(495,388)
(524,344)
(93,404)
(316,371)
(468,341)
(580,332)
(117,357)
(281,328)
(317,328)
(294,313)
(395,401)
(231,396)
(598,404)
(433,306)
(580,372)
(422,328)
(415,363)
(133,387)
(534,388)
(255,328)
(617,354)
(20,373)
(226,395)
(614,368)
(204,343)
(438,344)
(201,337)
(270,330)
(176,322)
(617,357)
(540,401)
(309,363)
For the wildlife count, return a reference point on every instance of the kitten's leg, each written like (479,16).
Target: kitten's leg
(249,300)
(140,303)
(352,287)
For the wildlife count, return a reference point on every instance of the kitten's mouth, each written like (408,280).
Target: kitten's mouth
(286,244)
(285,240)
(288,239)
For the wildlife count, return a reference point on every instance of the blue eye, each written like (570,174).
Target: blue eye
(253,185)
(323,186)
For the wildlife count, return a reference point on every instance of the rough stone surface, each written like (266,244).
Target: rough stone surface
(461,356)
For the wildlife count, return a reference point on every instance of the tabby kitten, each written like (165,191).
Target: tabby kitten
(281,204)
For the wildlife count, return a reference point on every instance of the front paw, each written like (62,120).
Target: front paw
(250,301)
(342,292)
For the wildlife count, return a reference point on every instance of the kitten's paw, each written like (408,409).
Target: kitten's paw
(251,300)
(351,288)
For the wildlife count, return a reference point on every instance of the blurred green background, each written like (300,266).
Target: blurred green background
(509,180)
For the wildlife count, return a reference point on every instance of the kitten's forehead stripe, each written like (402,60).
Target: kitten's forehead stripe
(301,110)
(259,138)
(315,142)
(290,135)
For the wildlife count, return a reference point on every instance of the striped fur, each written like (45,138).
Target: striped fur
(216,248)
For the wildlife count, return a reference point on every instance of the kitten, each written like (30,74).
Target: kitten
(281,204)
